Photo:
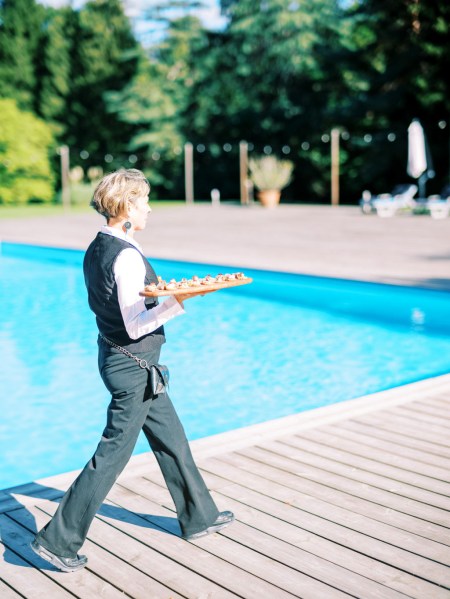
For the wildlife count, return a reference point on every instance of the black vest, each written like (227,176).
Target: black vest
(98,268)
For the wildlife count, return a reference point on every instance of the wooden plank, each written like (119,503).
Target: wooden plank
(340,533)
(6,592)
(27,581)
(372,569)
(389,577)
(437,422)
(353,521)
(357,488)
(429,450)
(229,574)
(349,471)
(155,489)
(156,486)
(146,560)
(271,570)
(314,566)
(382,457)
(19,496)
(357,507)
(322,569)
(431,409)
(407,428)
(387,443)
(304,484)
(19,573)
(340,453)
(103,566)
(440,399)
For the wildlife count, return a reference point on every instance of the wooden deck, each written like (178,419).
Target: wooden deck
(349,500)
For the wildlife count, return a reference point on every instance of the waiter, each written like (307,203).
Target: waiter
(130,331)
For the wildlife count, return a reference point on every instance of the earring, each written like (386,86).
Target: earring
(127,226)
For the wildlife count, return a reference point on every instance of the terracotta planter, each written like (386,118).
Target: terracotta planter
(269,197)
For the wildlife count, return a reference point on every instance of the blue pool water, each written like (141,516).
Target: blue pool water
(284,344)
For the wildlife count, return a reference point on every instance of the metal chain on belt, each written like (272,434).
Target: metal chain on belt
(142,363)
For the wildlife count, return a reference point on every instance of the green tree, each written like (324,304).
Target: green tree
(21,25)
(156,100)
(264,80)
(25,144)
(396,63)
(54,67)
(103,57)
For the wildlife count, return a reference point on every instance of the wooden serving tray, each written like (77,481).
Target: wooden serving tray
(197,289)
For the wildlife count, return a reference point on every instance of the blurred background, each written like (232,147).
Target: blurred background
(88,87)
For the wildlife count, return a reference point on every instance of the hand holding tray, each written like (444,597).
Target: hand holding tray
(195,286)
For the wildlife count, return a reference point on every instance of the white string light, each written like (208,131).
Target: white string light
(213,148)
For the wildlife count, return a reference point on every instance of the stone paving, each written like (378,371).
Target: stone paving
(319,240)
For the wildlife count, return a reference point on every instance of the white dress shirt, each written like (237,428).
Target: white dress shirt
(129,274)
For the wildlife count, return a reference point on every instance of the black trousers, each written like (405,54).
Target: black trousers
(131,410)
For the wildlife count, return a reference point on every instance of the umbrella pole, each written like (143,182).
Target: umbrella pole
(422,182)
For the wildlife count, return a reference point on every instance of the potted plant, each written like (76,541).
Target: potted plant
(270,175)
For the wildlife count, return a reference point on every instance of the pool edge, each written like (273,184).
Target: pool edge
(235,439)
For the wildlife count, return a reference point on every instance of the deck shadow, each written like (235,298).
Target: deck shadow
(17,549)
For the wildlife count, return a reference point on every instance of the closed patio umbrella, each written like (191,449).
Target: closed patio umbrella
(419,159)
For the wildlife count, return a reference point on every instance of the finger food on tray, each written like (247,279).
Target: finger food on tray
(208,280)
(195,281)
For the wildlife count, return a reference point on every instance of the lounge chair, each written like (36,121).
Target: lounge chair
(439,205)
(387,204)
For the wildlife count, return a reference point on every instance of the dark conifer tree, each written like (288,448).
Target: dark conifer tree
(396,63)
(104,58)
(21,27)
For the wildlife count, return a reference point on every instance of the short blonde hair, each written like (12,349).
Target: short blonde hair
(115,189)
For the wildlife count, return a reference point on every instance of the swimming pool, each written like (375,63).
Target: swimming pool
(284,344)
